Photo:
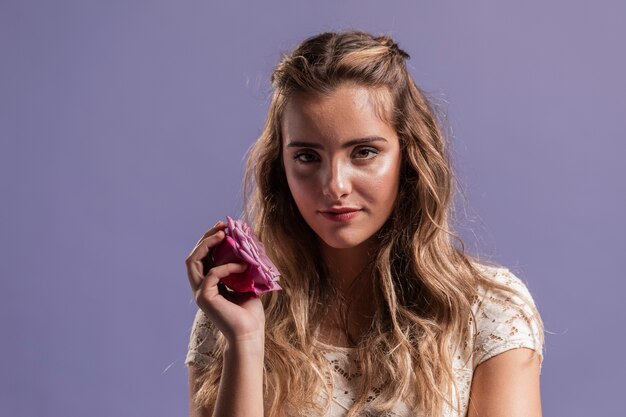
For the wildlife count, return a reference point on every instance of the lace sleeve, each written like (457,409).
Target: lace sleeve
(202,341)
(505,321)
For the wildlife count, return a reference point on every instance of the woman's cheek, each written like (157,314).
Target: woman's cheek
(301,185)
(295,175)
(304,177)
(379,172)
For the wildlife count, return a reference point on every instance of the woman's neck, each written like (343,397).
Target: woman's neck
(348,317)
(351,314)
(348,266)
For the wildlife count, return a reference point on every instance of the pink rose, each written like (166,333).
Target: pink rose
(240,245)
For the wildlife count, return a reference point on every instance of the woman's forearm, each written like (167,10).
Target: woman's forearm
(241,387)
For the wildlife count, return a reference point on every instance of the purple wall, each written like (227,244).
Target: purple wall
(123,125)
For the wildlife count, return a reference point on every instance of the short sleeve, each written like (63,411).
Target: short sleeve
(202,341)
(506,321)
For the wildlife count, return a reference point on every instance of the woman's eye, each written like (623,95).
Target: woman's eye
(366,153)
(308,157)
(304,157)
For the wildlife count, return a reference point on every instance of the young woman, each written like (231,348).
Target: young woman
(349,188)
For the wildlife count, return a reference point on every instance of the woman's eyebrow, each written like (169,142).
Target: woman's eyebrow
(315,145)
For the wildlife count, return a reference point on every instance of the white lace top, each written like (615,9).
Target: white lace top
(503,322)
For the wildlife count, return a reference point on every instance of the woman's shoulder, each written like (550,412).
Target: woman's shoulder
(506,315)
(495,276)
(202,341)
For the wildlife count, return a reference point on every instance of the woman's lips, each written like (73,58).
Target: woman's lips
(340,216)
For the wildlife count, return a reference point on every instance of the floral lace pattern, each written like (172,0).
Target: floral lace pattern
(503,322)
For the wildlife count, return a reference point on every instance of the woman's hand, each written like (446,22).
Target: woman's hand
(239,317)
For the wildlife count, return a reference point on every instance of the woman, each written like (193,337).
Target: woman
(349,188)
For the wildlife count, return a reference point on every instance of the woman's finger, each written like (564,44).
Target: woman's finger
(233,296)
(222,271)
(208,289)
(194,262)
(218,226)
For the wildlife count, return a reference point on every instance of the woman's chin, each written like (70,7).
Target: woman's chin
(346,243)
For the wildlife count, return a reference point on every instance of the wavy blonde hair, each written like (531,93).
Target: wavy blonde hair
(424,285)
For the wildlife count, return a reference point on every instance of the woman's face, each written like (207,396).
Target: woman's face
(342,162)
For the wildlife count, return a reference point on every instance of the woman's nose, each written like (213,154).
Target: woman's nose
(336,181)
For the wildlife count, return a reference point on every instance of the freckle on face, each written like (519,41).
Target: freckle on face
(338,176)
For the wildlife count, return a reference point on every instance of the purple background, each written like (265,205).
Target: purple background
(123,127)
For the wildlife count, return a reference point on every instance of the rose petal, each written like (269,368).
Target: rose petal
(226,252)
(240,245)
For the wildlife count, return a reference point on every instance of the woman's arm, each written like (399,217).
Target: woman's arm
(241,319)
(241,386)
(506,385)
